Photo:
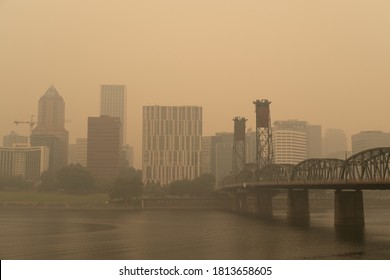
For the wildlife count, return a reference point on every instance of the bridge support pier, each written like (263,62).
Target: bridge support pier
(348,209)
(239,202)
(264,204)
(257,203)
(298,211)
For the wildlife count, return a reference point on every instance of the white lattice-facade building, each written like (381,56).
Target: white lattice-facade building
(24,161)
(171,143)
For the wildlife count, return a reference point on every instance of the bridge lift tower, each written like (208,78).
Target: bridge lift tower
(264,154)
(30,122)
(239,151)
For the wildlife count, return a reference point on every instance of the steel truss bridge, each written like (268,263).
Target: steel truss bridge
(367,170)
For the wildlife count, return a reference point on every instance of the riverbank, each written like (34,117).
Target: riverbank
(101,201)
(52,200)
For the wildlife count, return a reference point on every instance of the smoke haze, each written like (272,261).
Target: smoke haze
(325,62)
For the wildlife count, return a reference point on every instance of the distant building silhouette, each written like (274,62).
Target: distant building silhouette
(72,154)
(104,146)
(24,161)
(314,140)
(250,141)
(78,152)
(334,144)
(171,143)
(14,138)
(128,155)
(222,162)
(369,139)
(208,142)
(217,155)
(113,103)
(50,130)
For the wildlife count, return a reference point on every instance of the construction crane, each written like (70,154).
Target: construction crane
(30,122)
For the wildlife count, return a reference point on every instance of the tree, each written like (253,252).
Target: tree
(49,181)
(204,184)
(128,185)
(180,187)
(13,183)
(154,189)
(199,187)
(130,172)
(75,178)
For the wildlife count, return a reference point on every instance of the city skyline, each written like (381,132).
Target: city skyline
(23,131)
(326,63)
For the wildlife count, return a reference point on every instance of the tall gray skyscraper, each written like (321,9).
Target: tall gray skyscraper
(50,130)
(113,103)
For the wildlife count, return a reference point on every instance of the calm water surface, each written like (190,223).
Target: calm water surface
(185,234)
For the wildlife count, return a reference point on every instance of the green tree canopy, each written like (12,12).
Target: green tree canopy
(49,181)
(75,178)
(199,187)
(128,185)
(13,183)
(153,189)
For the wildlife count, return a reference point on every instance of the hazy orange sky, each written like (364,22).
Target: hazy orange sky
(326,62)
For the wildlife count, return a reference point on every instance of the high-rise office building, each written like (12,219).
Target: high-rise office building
(14,138)
(222,156)
(24,161)
(369,139)
(81,151)
(334,144)
(104,146)
(50,130)
(250,142)
(217,155)
(113,103)
(290,146)
(171,143)
(295,141)
(78,152)
(128,154)
(207,144)
(72,154)
(314,141)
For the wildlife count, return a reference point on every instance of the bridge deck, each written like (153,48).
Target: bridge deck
(335,185)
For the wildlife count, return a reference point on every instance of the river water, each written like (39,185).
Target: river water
(186,235)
